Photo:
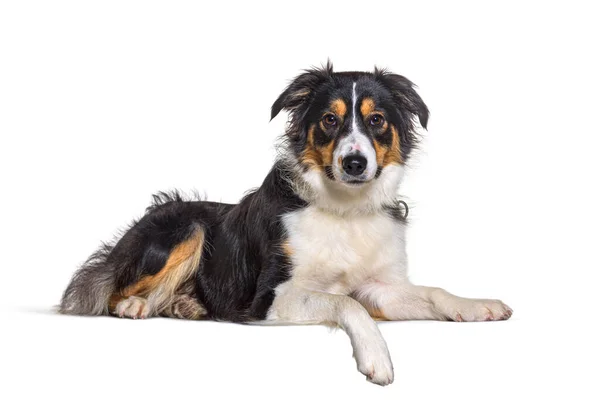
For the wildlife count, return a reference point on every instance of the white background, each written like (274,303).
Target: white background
(104,103)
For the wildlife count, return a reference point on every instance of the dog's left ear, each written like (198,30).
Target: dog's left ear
(297,96)
(403,92)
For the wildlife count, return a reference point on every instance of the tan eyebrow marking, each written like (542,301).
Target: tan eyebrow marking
(367,107)
(339,107)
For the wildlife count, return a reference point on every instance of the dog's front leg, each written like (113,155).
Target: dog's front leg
(405,301)
(300,306)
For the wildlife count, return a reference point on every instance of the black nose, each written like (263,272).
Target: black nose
(354,164)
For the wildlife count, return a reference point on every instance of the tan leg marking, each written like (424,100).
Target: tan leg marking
(159,289)
(287,249)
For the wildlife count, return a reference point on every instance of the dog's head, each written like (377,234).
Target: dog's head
(349,127)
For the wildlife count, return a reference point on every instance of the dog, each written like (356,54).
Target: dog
(321,241)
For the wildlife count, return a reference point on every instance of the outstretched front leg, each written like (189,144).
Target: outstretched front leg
(293,305)
(404,301)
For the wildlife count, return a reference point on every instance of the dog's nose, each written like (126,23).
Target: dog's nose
(354,164)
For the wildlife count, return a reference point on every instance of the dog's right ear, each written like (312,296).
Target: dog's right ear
(297,96)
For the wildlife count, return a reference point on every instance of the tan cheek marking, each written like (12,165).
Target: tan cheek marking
(327,154)
(310,156)
(338,107)
(394,153)
(380,152)
(367,107)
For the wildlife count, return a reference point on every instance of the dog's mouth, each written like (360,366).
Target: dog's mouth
(353,182)
(356,182)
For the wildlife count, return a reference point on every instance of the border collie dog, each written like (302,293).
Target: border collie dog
(321,241)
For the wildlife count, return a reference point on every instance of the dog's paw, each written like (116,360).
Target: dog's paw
(376,365)
(133,307)
(185,307)
(477,310)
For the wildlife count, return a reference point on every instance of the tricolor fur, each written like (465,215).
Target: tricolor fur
(321,241)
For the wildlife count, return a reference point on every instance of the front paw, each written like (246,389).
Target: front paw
(476,310)
(375,363)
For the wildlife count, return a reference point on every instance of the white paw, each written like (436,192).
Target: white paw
(375,364)
(133,307)
(476,310)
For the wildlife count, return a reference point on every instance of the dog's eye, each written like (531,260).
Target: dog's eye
(329,120)
(376,120)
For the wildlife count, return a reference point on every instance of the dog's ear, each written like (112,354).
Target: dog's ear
(404,94)
(297,96)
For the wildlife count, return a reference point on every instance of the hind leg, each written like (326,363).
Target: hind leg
(153,295)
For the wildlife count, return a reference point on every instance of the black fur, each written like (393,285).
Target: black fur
(245,261)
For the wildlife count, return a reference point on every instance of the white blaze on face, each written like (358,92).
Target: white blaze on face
(355,142)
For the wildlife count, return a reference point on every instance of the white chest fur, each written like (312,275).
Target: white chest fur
(336,254)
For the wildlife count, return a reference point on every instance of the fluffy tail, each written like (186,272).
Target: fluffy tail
(91,286)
